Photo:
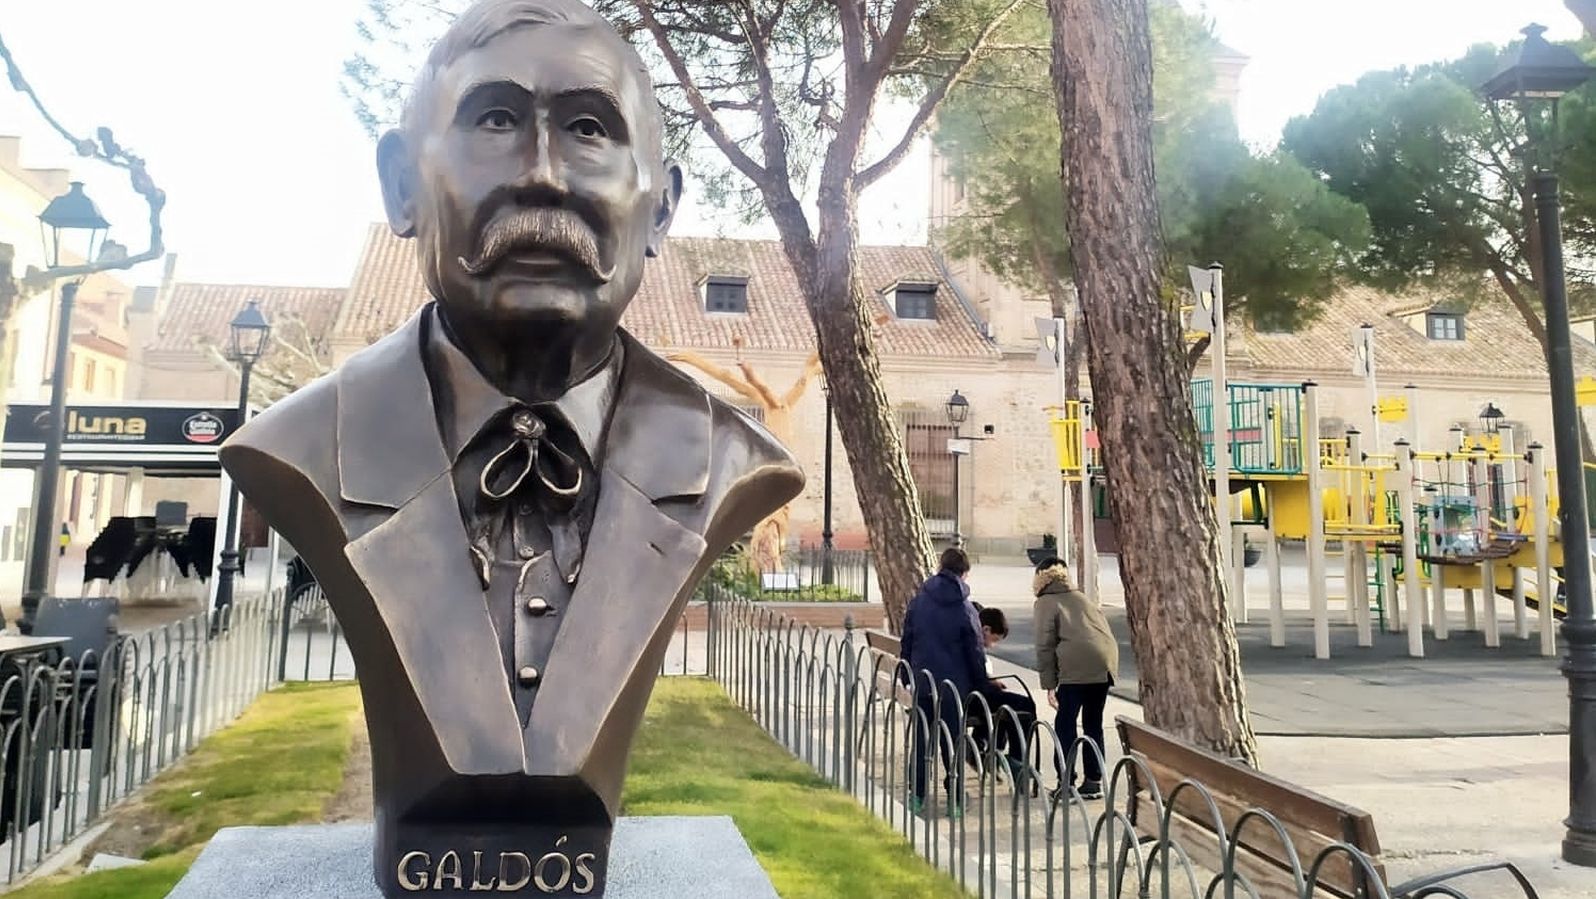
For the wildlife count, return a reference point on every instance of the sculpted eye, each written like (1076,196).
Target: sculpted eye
(586,126)
(498,119)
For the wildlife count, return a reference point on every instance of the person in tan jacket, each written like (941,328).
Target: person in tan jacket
(1077,657)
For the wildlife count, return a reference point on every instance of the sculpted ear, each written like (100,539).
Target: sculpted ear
(396,169)
(670,197)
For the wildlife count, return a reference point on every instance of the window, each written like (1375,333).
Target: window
(88,375)
(926,444)
(918,301)
(1444,325)
(724,293)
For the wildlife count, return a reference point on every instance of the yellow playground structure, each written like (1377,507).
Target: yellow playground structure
(1478,515)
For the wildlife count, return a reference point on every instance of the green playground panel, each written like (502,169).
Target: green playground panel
(1265,426)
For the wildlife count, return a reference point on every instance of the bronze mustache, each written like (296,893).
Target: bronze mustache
(551,230)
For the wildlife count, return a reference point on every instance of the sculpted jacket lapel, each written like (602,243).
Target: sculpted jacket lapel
(638,560)
(415,564)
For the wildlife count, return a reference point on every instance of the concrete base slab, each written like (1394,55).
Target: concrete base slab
(650,858)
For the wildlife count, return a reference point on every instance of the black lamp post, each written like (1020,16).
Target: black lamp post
(828,572)
(1533,79)
(250,332)
(70,224)
(958,409)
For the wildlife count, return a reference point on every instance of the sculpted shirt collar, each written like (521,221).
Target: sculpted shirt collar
(475,402)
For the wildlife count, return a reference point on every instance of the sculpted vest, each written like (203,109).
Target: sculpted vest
(351,470)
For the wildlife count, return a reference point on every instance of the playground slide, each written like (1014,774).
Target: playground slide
(1530,599)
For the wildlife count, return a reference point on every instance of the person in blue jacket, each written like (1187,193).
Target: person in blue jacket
(941,644)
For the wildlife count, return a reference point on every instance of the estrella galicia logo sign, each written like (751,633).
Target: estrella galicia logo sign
(202,427)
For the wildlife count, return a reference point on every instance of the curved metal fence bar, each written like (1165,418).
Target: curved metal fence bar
(79,735)
(997,813)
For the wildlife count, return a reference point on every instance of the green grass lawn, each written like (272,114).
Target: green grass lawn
(278,764)
(698,754)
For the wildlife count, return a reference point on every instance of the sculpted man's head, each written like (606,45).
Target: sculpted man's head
(529,169)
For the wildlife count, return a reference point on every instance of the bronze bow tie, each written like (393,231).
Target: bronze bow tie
(542,465)
(533,453)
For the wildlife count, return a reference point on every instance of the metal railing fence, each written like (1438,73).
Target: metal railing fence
(78,736)
(851,715)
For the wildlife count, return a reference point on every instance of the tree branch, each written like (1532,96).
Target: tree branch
(1194,353)
(811,368)
(695,98)
(849,18)
(106,150)
(720,374)
(891,41)
(929,103)
(773,142)
(767,397)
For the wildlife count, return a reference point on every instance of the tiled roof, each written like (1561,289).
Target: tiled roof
(668,311)
(200,313)
(1496,340)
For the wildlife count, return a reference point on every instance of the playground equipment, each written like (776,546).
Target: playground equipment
(1076,444)
(1406,526)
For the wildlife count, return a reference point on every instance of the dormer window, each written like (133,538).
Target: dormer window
(915,300)
(726,294)
(1444,325)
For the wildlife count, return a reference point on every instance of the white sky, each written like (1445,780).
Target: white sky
(236,106)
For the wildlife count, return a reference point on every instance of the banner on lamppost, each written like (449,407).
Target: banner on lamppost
(1363,352)
(1202,314)
(1047,352)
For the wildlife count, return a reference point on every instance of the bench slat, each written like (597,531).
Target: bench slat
(1202,848)
(1312,821)
(886,648)
(1253,788)
(1258,836)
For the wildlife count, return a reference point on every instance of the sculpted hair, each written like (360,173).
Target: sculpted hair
(485,20)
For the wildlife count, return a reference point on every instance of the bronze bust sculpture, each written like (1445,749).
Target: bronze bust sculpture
(508,500)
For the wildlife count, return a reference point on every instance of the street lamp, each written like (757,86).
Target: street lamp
(1533,79)
(958,409)
(250,333)
(1491,419)
(70,225)
(828,574)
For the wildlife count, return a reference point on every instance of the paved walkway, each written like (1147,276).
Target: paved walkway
(1460,688)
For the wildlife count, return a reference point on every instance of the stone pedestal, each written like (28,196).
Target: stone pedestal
(650,858)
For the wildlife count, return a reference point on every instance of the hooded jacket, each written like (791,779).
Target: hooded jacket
(939,636)
(1073,642)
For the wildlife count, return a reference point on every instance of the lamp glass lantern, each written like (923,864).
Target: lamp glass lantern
(71,224)
(1533,79)
(958,408)
(1491,419)
(250,333)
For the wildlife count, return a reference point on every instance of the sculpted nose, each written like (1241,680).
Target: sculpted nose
(542,173)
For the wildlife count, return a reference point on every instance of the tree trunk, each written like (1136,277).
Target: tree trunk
(1186,655)
(883,484)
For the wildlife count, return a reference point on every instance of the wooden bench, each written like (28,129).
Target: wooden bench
(886,649)
(1313,822)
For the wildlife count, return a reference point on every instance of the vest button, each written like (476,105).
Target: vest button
(537,605)
(528,676)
